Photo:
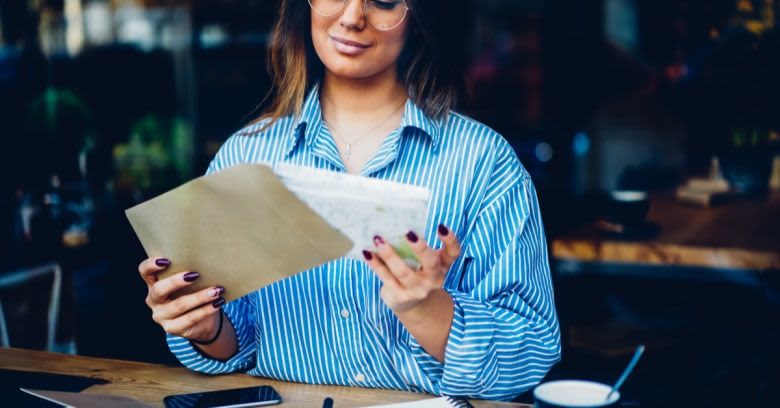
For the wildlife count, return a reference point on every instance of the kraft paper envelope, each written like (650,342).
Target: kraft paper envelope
(240,228)
(78,400)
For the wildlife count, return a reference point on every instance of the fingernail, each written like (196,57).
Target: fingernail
(217,291)
(443,230)
(412,237)
(191,276)
(367,255)
(162,262)
(218,303)
(378,240)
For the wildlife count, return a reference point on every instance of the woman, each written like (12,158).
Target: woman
(366,87)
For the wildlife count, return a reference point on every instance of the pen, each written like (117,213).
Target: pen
(328,403)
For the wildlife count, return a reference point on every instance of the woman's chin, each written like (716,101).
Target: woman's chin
(352,73)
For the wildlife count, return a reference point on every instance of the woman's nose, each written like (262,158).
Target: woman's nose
(354,15)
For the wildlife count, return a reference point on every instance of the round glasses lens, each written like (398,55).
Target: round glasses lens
(327,7)
(385,14)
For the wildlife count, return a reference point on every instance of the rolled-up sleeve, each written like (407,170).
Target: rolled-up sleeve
(241,314)
(504,336)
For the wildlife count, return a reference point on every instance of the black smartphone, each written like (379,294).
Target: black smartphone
(236,398)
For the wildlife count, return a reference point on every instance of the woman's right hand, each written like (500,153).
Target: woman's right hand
(194,316)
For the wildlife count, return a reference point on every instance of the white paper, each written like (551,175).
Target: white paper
(361,207)
(442,402)
(80,400)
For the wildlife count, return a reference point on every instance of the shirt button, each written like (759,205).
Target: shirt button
(344,313)
(360,377)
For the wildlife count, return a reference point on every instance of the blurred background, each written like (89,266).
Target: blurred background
(651,128)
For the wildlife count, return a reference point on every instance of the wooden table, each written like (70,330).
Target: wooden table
(742,234)
(151,382)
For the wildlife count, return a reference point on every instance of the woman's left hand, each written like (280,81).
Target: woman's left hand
(404,288)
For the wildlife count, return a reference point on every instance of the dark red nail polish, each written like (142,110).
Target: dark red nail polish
(218,291)
(367,255)
(162,262)
(191,276)
(412,237)
(443,231)
(378,240)
(218,303)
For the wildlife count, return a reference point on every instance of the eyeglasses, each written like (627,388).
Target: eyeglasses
(383,15)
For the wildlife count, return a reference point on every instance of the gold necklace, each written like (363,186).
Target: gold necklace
(348,145)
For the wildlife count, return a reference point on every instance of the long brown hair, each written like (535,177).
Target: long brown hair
(430,66)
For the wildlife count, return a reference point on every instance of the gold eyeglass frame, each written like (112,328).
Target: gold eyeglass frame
(365,13)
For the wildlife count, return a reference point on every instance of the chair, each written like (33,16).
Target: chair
(23,276)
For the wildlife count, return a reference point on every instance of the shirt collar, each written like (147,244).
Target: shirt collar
(308,123)
(414,117)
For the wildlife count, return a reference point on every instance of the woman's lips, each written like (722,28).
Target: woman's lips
(348,47)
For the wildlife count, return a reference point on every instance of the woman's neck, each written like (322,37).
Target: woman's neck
(360,100)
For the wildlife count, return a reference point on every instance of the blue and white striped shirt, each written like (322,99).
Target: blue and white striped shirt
(328,325)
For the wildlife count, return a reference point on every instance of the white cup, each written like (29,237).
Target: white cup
(574,394)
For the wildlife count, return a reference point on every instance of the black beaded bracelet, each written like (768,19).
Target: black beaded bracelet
(216,336)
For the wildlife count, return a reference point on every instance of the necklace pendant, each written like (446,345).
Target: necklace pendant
(348,152)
